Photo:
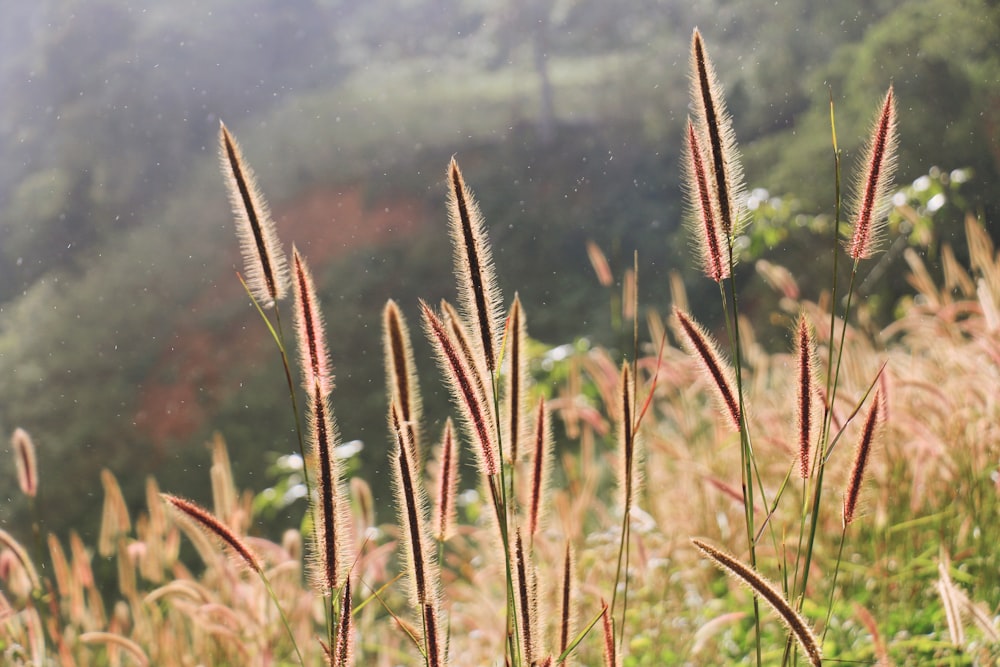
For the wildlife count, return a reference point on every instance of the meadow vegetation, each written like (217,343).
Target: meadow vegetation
(847,485)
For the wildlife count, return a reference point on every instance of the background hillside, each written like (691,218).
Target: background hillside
(125,339)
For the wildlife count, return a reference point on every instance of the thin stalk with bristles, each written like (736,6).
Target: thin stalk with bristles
(479,297)
(626,482)
(871,207)
(566,603)
(761,587)
(411,502)
(210,525)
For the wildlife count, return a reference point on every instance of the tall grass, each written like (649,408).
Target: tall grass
(663,458)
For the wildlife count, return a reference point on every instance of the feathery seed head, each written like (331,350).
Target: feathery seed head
(872,201)
(466,388)
(517,376)
(314,355)
(541,465)
(329,507)
(411,503)
(210,525)
(763,588)
(400,369)
(479,294)
(869,433)
(714,129)
(700,345)
(263,259)
(807,414)
(444,510)
(703,219)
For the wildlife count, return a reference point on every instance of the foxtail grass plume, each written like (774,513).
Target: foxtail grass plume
(714,133)
(713,247)
(24,460)
(628,472)
(343,649)
(541,464)
(329,506)
(444,509)
(401,373)
(411,503)
(314,355)
(762,588)
(517,378)
(806,412)
(872,201)
(869,431)
(527,601)
(463,382)
(700,346)
(263,259)
(453,323)
(479,294)
(610,652)
(206,522)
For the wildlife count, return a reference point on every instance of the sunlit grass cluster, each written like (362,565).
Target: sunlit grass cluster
(709,502)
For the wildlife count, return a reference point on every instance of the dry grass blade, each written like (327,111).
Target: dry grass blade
(204,520)
(950,600)
(872,200)
(264,262)
(314,356)
(478,291)
(764,589)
